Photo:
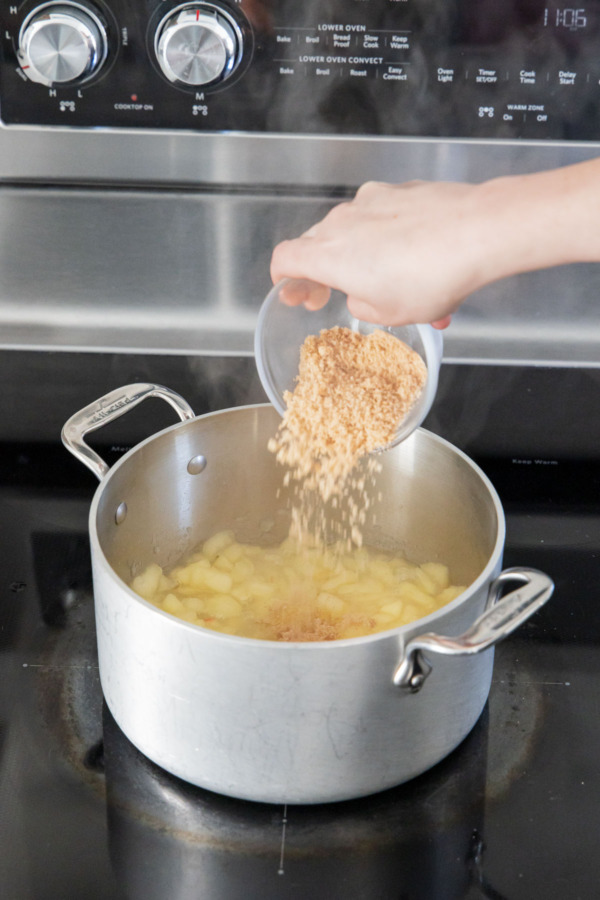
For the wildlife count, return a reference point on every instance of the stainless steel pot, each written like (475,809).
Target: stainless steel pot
(279,722)
(171,839)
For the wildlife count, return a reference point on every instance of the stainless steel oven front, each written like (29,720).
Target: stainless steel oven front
(151,153)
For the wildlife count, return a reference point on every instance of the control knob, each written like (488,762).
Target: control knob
(198,44)
(61,44)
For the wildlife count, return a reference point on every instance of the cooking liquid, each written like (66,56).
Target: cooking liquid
(291,593)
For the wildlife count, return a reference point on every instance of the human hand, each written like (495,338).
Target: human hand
(401,253)
(314,296)
(412,252)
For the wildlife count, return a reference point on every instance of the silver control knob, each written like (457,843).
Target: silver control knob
(61,44)
(198,44)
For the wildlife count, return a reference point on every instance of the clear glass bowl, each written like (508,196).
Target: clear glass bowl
(282,329)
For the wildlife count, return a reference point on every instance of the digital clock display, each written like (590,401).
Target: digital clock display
(570,17)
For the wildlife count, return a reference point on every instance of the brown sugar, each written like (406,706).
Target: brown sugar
(352,392)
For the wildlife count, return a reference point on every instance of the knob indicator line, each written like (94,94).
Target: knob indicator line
(198,44)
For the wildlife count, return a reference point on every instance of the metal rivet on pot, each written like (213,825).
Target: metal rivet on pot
(121,513)
(196,464)
(416,682)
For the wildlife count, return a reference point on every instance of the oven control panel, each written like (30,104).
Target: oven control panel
(424,68)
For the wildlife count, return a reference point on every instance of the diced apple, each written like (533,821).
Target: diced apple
(173,605)
(217,544)
(222,606)
(438,572)
(147,583)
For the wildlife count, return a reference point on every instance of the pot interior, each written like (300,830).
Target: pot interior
(433,503)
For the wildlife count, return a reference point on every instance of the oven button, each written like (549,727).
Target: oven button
(62,44)
(198,44)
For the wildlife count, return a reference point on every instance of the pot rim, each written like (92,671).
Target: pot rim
(400,632)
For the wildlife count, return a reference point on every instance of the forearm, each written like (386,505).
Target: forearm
(541,220)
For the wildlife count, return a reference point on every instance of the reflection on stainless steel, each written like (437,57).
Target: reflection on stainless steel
(186,272)
(158,242)
(528,811)
(500,619)
(181,158)
(181,264)
(168,839)
(262,720)
(113,406)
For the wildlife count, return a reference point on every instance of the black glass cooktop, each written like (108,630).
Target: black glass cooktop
(513,813)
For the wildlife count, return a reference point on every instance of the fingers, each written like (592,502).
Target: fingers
(366,312)
(379,249)
(318,297)
(308,256)
(298,291)
(304,258)
(288,260)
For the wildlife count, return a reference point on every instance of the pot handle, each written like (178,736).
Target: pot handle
(501,617)
(108,408)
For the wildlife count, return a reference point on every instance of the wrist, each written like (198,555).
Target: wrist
(512,225)
(541,220)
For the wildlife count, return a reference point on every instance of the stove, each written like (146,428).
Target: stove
(513,813)
(139,205)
